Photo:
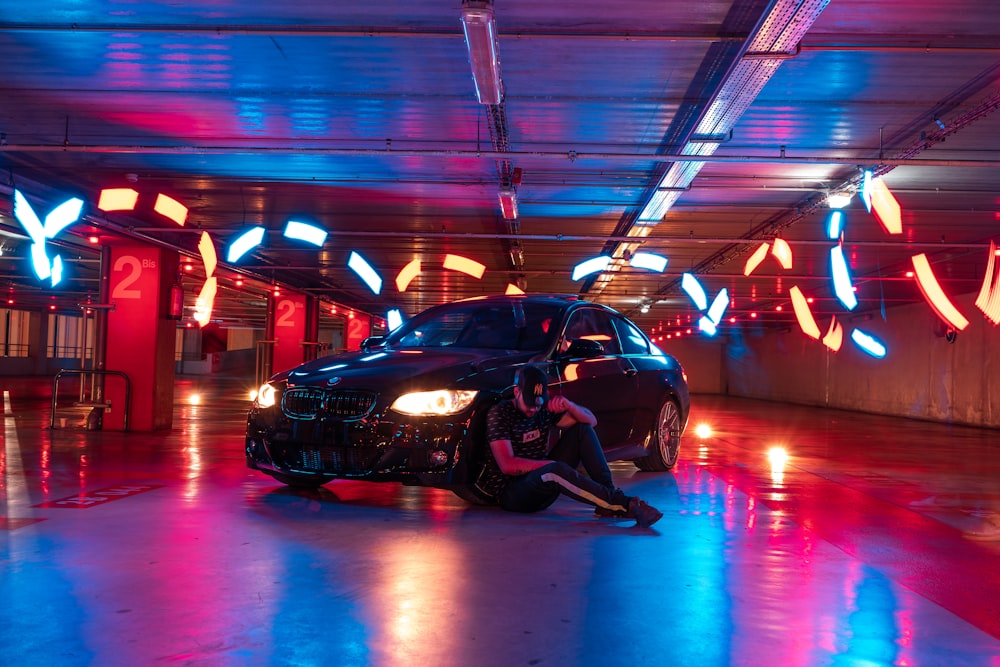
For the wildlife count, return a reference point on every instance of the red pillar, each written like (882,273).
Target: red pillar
(140,337)
(290,317)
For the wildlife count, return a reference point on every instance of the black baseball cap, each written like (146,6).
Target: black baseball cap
(534,385)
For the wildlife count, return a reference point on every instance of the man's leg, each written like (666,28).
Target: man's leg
(579,444)
(528,492)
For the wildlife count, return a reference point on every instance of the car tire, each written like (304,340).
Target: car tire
(664,441)
(297,482)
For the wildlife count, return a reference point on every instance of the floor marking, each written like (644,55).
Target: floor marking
(100,496)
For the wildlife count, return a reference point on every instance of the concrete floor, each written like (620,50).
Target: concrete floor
(162,548)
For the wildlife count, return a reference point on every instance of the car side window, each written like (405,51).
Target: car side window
(633,342)
(592,324)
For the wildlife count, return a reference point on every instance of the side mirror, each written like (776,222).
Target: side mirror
(372,342)
(583,348)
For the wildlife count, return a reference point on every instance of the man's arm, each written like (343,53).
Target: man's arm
(573,413)
(512,465)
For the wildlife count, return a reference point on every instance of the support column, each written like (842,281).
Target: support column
(140,337)
(290,317)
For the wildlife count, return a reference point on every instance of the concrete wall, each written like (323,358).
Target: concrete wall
(923,375)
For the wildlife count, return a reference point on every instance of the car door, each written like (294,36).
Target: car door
(606,383)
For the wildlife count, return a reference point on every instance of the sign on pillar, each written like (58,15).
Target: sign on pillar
(359,327)
(290,317)
(140,337)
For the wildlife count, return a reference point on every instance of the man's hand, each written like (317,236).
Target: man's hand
(558,404)
(573,412)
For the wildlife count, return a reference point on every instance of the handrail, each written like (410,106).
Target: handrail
(66,371)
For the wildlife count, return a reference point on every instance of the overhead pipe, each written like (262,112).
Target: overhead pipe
(570,155)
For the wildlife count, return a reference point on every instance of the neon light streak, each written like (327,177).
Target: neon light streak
(407,274)
(648,260)
(40,261)
(719,306)
(756,258)
(866,190)
(935,296)
(783,252)
(802,313)
(592,265)
(244,243)
(834,337)
(835,225)
(694,290)
(513,289)
(57,270)
(464,265)
(988,300)
(868,343)
(205,302)
(842,279)
(393,319)
(208,255)
(365,272)
(63,216)
(171,208)
(117,199)
(887,210)
(707,326)
(303,231)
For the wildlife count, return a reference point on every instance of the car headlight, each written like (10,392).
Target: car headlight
(441,402)
(266,395)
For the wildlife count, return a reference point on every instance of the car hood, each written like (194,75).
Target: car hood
(409,369)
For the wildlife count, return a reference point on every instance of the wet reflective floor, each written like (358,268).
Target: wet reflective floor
(791,536)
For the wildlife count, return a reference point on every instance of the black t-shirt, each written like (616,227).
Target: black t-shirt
(529,439)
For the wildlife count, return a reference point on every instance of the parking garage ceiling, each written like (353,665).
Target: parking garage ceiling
(691,131)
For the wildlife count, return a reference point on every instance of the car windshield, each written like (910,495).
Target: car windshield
(506,325)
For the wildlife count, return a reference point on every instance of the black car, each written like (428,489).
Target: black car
(411,406)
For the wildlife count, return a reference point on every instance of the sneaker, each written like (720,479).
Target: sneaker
(645,515)
(607,513)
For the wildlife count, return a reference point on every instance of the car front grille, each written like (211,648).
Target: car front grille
(309,402)
(340,460)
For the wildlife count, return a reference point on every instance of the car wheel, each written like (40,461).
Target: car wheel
(664,441)
(297,482)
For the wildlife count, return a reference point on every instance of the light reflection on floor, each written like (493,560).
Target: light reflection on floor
(845,550)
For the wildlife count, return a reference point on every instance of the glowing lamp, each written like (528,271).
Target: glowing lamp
(648,260)
(171,208)
(756,258)
(838,199)
(464,265)
(117,199)
(508,203)
(244,243)
(694,290)
(40,261)
(479,27)
(783,252)
(868,343)
(57,270)
(802,313)
(365,271)
(513,289)
(866,190)
(842,279)
(407,274)
(303,231)
(592,265)
(934,295)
